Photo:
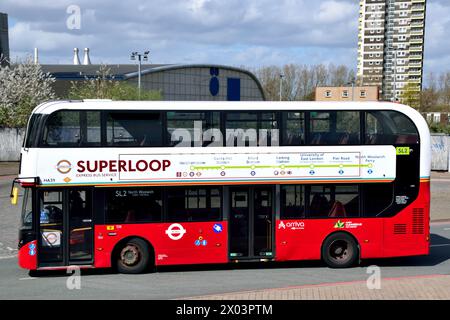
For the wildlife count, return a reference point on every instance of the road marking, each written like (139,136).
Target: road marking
(8,257)
(28,278)
(10,249)
(441,180)
(446,229)
(440,245)
(445,222)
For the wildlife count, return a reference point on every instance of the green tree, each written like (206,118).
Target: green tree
(23,86)
(439,128)
(104,86)
(411,95)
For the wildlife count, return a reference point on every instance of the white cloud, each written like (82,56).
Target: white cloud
(335,11)
(234,32)
(23,37)
(437,42)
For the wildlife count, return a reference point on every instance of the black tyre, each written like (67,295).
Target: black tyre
(34,273)
(133,257)
(340,250)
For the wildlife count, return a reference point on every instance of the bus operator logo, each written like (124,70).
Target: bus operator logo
(122,165)
(175,231)
(64,166)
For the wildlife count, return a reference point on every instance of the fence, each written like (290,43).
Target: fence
(440,152)
(10,143)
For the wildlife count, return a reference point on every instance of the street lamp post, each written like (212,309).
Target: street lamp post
(139,57)
(353,88)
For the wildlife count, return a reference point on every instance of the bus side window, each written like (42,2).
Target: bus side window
(292,201)
(334,201)
(91,132)
(63,129)
(374,130)
(134,129)
(334,128)
(319,125)
(348,127)
(193,129)
(193,204)
(132,205)
(293,129)
(241,129)
(377,198)
(389,128)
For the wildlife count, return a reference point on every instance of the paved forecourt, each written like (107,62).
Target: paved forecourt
(432,287)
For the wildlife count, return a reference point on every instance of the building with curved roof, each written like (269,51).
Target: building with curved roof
(181,82)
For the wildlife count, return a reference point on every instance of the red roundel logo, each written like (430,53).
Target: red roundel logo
(64,166)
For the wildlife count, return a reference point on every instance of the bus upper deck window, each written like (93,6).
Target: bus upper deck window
(192,129)
(134,129)
(294,129)
(32,130)
(63,128)
(389,127)
(334,128)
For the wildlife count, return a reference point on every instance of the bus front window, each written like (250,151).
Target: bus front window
(26,220)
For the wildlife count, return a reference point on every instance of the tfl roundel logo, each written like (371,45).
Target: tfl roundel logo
(32,249)
(175,231)
(64,166)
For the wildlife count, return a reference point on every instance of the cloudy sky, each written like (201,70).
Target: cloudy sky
(247,33)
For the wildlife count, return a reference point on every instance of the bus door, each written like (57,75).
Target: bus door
(65,227)
(251,222)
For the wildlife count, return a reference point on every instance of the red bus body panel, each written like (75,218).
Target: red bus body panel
(200,244)
(406,234)
(27,256)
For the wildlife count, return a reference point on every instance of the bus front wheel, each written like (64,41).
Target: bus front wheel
(340,250)
(133,256)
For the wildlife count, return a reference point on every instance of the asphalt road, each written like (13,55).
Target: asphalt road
(182,282)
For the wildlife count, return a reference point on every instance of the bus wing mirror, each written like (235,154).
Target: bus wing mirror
(14,196)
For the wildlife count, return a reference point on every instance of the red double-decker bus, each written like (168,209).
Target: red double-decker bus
(137,185)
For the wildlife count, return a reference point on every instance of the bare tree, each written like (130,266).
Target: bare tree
(321,75)
(269,78)
(299,80)
(290,79)
(444,88)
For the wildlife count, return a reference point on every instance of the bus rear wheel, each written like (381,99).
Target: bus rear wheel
(133,257)
(340,250)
